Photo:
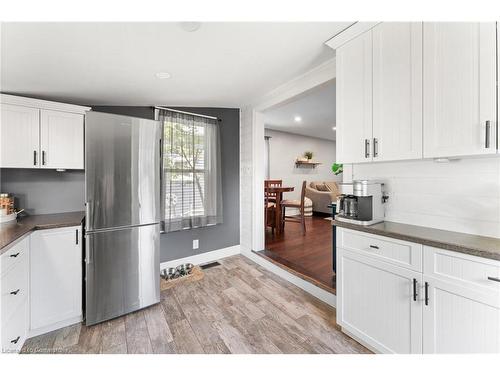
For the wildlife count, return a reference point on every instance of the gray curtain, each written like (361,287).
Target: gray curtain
(191,180)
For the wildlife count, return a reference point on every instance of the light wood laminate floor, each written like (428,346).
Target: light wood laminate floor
(238,307)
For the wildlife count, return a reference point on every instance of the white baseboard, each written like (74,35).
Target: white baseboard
(55,326)
(209,256)
(310,288)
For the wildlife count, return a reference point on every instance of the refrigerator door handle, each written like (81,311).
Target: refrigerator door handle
(90,250)
(87,216)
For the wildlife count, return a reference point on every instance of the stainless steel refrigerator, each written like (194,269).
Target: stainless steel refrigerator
(122,188)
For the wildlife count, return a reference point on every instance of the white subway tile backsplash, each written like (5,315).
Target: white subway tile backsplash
(462,195)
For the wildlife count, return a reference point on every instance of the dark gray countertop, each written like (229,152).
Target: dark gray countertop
(482,246)
(11,231)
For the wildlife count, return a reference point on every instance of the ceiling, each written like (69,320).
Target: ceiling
(316,109)
(220,64)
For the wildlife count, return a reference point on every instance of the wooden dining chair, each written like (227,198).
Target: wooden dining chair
(271,183)
(269,214)
(294,203)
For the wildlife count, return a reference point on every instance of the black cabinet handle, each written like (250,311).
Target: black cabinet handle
(415,294)
(14,255)
(374,247)
(15,292)
(43,157)
(426,293)
(34,157)
(77,236)
(494,279)
(15,340)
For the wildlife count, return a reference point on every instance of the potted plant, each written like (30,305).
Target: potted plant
(337,168)
(308,155)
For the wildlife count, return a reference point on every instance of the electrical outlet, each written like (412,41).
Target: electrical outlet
(196,244)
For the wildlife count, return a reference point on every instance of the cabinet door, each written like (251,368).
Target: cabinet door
(19,137)
(397,91)
(459,89)
(61,141)
(354,100)
(376,303)
(460,320)
(56,277)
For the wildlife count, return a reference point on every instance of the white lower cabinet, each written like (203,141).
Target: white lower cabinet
(460,320)
(376,304)
(56,279)
(14,300)
(450,305)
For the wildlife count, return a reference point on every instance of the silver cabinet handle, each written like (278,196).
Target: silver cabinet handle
(367,148)
(494,279)
(375,147)
(487,134)
(15,340)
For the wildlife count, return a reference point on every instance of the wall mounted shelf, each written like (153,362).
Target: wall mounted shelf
(299,163)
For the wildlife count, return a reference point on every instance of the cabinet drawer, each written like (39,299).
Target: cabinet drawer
(397,252)
(14,288)
(15,329)
(468,270)
(11,257)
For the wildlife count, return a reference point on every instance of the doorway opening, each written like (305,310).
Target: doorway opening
(300,186)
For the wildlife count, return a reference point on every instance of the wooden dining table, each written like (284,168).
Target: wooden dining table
(278,190)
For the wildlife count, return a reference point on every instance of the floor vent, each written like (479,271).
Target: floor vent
(209,265)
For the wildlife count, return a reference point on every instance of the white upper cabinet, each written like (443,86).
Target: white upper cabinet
(19,134)
(41,134)
(61,139)
(459,89)
(354,100)
(397,91)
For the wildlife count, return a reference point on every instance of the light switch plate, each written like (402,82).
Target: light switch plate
(196,244)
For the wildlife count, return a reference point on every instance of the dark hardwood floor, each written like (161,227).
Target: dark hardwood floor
(308,256)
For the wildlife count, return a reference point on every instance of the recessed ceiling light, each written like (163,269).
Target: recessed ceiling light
(162,75)
(297,119)
(334,128)
(190,26)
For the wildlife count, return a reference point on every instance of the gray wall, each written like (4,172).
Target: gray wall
(177,245)
(48,191)
(44,191)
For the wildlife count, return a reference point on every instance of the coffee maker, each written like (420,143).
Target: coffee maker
(365,206)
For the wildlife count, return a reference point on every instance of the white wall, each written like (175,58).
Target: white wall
(462,195)
(284,150)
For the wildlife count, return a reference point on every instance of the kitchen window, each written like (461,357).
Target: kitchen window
(191,181)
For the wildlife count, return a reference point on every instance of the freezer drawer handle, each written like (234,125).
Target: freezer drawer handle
(415,294)
(15,292)
(14,255)
(494,279)
(15,340)
(487,134)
